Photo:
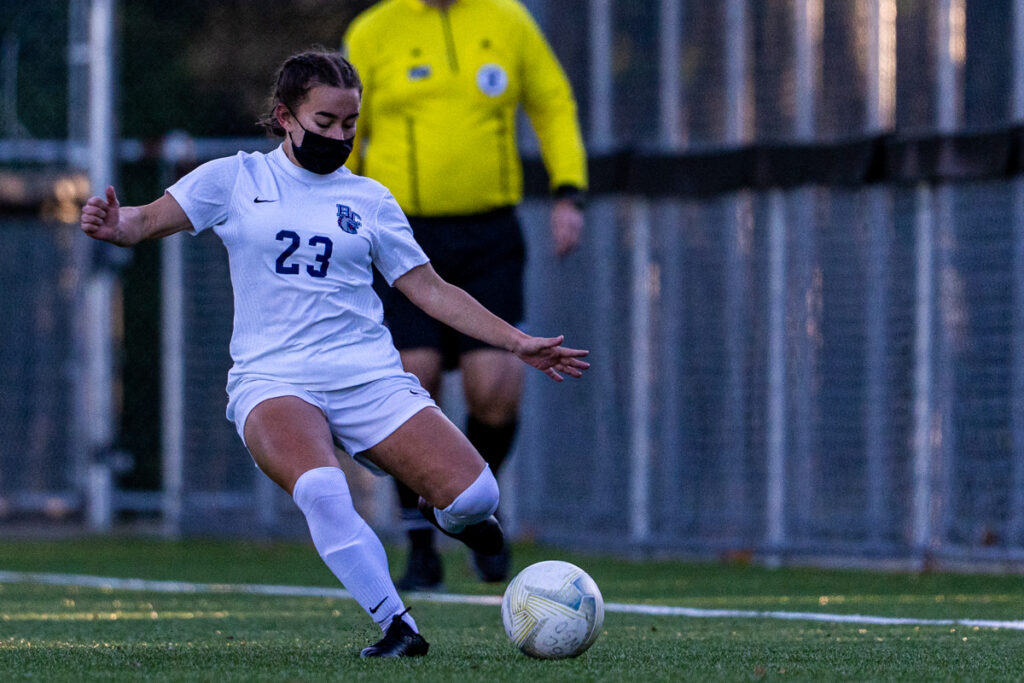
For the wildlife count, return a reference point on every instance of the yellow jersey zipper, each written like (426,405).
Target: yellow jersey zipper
(503,160)
(449,41)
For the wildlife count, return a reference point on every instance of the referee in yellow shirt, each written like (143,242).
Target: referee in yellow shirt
(443,80)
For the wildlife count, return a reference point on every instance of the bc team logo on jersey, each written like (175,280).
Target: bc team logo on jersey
(491,79)
(348,220)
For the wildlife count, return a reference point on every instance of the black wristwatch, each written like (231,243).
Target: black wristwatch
(574,194)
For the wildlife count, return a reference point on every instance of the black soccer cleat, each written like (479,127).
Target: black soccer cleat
(398,641)
(424,571)
(492,568)
(483,537)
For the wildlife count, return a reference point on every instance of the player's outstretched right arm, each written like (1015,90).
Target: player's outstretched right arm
(103,218)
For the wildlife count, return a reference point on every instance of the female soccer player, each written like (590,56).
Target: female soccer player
(312,363)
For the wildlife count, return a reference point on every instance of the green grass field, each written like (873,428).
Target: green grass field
(72,633)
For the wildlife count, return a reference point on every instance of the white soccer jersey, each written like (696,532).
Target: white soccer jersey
(300,247)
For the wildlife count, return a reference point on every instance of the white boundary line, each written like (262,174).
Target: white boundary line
(105,582)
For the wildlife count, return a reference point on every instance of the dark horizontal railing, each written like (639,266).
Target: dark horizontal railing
(886,158)
(890,158)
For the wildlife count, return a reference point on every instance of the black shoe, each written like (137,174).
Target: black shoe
(492,568)
(398,641)
(483,537)
(423,573)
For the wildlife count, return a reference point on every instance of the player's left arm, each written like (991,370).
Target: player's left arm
(548,101)
(456,308)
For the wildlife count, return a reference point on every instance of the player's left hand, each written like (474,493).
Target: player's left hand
(566,227)
(549,356)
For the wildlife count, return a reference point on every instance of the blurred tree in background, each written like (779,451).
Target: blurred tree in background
(194,65)
(35,34)
(208,67)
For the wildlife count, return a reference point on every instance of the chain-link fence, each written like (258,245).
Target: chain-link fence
(826,372)
(810,367)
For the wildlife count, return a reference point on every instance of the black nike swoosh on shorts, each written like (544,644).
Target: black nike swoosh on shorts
(373,610)
(257,200)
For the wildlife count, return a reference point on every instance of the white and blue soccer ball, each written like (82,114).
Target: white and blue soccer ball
(552,610)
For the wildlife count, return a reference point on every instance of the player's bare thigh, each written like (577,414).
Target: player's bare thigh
(287,437)
(429,455)
(492,380)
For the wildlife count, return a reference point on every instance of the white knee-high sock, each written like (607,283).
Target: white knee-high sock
(347,544)
(475,504)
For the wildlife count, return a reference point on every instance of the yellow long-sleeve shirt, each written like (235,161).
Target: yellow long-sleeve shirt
(441,88)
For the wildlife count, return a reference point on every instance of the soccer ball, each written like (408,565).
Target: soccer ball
(552,610)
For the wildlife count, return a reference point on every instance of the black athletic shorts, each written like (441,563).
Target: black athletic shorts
(484,254)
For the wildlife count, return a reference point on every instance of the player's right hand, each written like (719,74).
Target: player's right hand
(549,356)
(101,219)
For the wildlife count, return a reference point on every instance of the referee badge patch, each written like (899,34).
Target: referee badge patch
(348,220)
(419,73)
(492,80)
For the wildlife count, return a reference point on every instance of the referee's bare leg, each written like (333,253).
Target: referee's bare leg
(492,382)
(424,569)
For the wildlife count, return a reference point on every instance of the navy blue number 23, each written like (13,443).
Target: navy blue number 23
(323,258)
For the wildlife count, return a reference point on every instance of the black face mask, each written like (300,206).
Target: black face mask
(321,154)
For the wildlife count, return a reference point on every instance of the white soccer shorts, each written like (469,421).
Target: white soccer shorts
(360,417)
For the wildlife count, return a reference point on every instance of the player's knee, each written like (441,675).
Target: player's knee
(477,502)
(323,496)
(318,484)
